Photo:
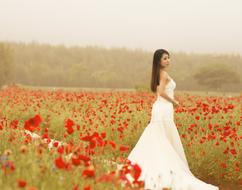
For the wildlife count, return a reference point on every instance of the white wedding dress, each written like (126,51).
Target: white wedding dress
(160,154)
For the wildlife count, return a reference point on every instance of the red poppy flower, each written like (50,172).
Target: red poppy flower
(22,183)
(76,160)
(123,148)
(60,149)
(89,172)
(112,143)
(86,138)
(14,124)
(137,171)
(84,158)
(87,187)
(103,135)
(233,151)
(223,165)
(59,163)
(33,123)
(55,144)
(69,126)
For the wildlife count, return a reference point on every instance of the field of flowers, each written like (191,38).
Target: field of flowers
(80,136)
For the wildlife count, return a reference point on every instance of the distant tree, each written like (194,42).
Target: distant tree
(6,65)
(75,75)
(215,75)
(104,78)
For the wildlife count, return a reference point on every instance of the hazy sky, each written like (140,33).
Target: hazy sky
(210,26)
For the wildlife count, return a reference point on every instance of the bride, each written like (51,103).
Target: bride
(159,151)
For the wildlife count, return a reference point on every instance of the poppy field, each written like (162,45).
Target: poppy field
(80,137)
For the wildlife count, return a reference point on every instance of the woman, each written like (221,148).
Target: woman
(159,151)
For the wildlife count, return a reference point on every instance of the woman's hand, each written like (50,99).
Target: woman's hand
(175,103)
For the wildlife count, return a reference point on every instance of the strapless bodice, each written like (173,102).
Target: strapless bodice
(162,109)
(169,90)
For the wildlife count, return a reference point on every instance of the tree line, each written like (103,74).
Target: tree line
(92,66)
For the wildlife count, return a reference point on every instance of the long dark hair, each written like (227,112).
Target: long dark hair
(155,77)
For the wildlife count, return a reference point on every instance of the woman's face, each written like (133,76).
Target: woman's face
(165,60)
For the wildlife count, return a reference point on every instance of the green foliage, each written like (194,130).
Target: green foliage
(215,75)
(94,67)
(142,88)
(5,63)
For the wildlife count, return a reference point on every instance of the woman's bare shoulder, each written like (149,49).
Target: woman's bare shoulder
(163,74)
